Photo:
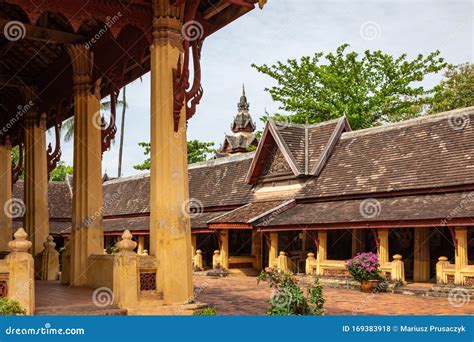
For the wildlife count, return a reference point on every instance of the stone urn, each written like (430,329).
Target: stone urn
(369,286)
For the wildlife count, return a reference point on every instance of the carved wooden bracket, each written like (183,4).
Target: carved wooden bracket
(108,132)
(53,157)
(182,93)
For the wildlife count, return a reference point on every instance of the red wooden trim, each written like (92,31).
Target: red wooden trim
(455,222)
(230,226)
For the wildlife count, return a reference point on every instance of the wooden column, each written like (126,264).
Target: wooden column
(382,250)
(421,263)
(322,245)
(170,231)
(273,252)
(141,244)
(358,243)
(36,220)
(87,230)
(5,194)
(257,249)
(225,248)
(460,259)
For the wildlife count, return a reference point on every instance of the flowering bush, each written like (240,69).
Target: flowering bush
(364,266)
(288,299)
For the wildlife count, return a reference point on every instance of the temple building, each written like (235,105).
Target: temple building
(244,139)
(312,196)
(60,59)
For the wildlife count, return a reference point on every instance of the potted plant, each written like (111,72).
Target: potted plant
(365,268)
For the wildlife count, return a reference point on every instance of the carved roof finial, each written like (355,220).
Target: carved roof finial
(243,105)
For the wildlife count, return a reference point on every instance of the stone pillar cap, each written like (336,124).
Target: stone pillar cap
(20,243)
(126,244)
(310,254)
(397,257)
(442,258)
(282,253)
(217,252)
(198,251)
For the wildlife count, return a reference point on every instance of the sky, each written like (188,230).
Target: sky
(291,29)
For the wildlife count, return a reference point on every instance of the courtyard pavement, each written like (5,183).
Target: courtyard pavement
(240,295)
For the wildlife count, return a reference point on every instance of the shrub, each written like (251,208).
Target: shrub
(10,307)
(209,311)
(364,266)
(288,298)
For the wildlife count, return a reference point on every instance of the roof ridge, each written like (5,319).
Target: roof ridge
(223,160)
(426,118)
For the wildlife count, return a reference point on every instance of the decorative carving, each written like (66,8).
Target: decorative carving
(148,281)
(53,157)
(277,164)
(183,96)
(3,288)
(108,133)
(82,60)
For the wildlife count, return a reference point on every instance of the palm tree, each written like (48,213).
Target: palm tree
(122,129)
(68,125)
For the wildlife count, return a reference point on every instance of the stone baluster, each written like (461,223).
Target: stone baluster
(198,260)
(283,262)
(398,269)
(216,260)
(310,261)
(49,260)
(126,277)
(440,265)
(21,279)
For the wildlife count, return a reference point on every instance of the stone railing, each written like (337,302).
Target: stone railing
(393,271)
(446,273)
(242,261)
(147,274)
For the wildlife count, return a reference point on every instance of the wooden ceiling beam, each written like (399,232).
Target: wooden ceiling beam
(46,35)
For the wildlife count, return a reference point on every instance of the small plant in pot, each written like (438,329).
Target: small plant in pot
(365,268)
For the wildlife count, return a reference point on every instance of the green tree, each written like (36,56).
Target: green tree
(369,89)
(197,151)
(60,172)
(456,90)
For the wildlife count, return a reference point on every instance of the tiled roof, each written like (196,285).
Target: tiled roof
(421,153)
(442,207)
(246,213)
(59,198)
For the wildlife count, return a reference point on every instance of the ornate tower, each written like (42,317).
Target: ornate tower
(243,127)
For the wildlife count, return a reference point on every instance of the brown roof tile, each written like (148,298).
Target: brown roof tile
(420,153)
(421,207)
